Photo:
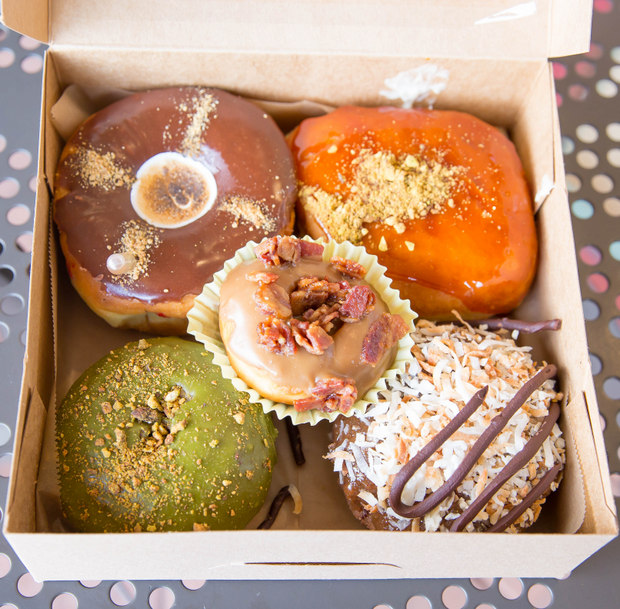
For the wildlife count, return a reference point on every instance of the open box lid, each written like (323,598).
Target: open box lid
(520,29)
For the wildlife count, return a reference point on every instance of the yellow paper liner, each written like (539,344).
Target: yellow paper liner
(203,324)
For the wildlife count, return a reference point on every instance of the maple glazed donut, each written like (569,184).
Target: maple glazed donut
(439,197)
(467,439)
(152,438)
(305,331)
(154,192)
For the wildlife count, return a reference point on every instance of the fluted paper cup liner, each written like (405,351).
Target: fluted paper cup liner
(203,324)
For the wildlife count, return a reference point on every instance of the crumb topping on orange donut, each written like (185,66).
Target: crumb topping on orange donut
(439,197)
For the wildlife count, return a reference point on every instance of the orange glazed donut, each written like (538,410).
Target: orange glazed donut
(440,197)
(156,191)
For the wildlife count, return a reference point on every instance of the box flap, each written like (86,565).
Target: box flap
(427,28)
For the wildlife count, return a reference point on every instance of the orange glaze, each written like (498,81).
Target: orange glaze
(478,256)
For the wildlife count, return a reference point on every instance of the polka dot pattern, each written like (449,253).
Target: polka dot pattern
(592,154)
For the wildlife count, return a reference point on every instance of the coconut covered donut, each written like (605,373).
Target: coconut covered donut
(466,440)
(151,438)
(154,192)
(439,197)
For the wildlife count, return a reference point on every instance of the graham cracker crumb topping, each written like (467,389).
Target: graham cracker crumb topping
(201,110)
(137,239)
(385,188)
(101,170)
(248,210)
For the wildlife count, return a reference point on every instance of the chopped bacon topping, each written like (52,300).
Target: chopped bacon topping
(278,250)
(273,299)
(276,336)
(382,335)
(358,302)
(311,337)
(330,394)
(348,267)
(324,316)
(262,277)
(312,292)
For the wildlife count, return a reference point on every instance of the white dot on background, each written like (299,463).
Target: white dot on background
(90,583)
(193,584)
(510,588)
(20,159)
(418,602)
(5,433)
(161,598)
(382,607)
(32,183)
(2,143)
(611,387)
(454,597)
(588,134)
(568,146)
(606,88)
(122,593)
(28,586)
(612,207)
(33,63)
(18,214)
(7,57)
(66,600)
(602,183)
(587,159)
(614,73)
(613,157)
(613,132)
(485,606)
(615,54)
(573,183)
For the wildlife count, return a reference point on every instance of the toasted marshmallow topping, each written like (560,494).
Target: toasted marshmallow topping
(172,190)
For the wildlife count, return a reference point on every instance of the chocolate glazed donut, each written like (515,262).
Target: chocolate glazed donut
(156,191)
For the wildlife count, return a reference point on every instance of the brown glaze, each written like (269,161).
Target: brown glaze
(241,145)
(295,374)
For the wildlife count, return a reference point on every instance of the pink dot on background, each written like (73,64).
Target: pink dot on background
(618,302)
(30,44)
(2,143)
(7,57)
(65,600)
(18,214)
(540,596)
(20,159)
(5,565)
(598,283)
(418,602)
(596,51)
(481,583)
(193,584)
(9,187)
(510,588)
(585,69)
(590,255)
(558,100)
(32,184)
(28,586)
(31,64)
(454,597)
(161,598)
(24,242)
(577,92)
(603,6)
(615,484)
(559,70)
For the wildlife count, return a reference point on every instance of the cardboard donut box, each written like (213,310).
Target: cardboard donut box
(491,59)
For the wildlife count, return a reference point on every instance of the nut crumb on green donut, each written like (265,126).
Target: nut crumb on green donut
(152,438)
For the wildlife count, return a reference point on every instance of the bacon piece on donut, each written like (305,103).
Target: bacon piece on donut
(262,277)
(312,292)
(311,337)
(348,267)
(382,335)
(330,394)
(276,336)
(324,316)
(273,299)
(358,302)
(278,250)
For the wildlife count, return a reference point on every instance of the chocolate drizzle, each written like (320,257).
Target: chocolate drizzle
(294,439)
(494,428)
(526,327)
(275,507)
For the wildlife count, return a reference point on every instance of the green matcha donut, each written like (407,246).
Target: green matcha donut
(152,438)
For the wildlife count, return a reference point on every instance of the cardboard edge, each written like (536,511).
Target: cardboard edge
(570,27)
(28,17)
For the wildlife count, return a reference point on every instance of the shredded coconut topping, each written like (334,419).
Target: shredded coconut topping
(451,363)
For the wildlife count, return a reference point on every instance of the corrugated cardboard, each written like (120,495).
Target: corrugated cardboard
(334,53)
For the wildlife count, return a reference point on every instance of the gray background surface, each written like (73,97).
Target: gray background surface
(589,102)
